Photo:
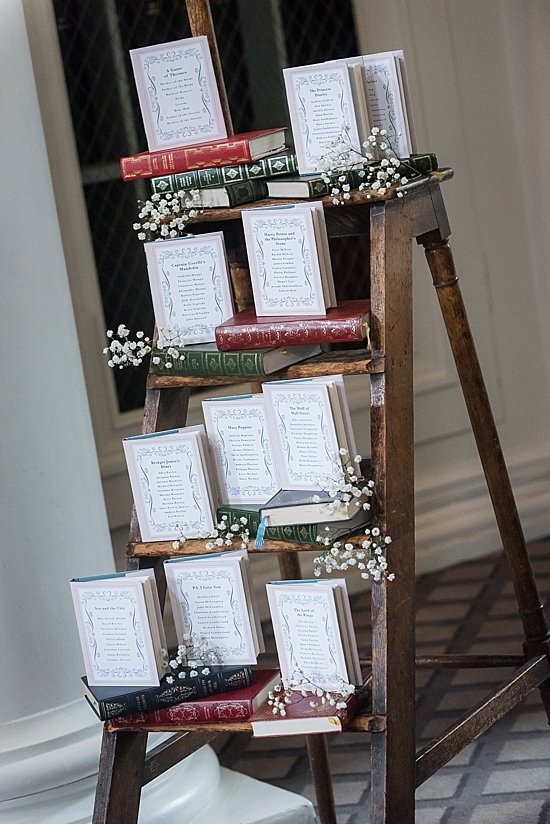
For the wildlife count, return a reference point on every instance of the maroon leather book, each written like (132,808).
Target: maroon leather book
(349,321)
(235,706)
(304,719)
(240,148)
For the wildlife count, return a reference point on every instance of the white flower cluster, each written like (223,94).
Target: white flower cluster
(165,216)
(196,653)
(300,685)
(369,558)
(378,176)
(170,337)
(344,485)
(126,352)
(223,535)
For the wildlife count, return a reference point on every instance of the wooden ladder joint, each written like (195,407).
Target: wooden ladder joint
(169,753)
(470,726)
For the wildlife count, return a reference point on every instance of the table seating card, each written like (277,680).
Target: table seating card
(289,260)
(308,429)
(120,628)
(321,104)
(178,94)
(190,285)
(240,443)
(314,633)
(388,99)
(169,476)
(212,596)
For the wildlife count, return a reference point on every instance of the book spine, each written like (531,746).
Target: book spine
(193,687)
(319,188)
(153,164)
(246,192)
(296,534)
(192,712)
(220,176)
(210,364)
(289,333)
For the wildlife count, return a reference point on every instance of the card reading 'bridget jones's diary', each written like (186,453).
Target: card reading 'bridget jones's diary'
(178,94)
(171,483)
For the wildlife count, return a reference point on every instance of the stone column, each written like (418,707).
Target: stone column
(53,513)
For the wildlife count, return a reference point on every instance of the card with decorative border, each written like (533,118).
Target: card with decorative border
(388,99)
(190,288)
(212,597)
(240,443)
(169,476)
(321,105)
(120,633)
(288,255)
(178,94)
(313,633)
(308,430)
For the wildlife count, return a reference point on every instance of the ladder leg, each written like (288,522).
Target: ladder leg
(121,766)
(393,603)
(535,625)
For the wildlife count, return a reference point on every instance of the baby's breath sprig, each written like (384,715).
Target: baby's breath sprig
(224,535)
(297,687)
(165,216)
(378,176)
(344,484)
(169,339)
(369,558)
(195,653)
(125,352)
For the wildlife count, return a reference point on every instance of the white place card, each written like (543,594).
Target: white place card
(240,443)
(119,634)
(313,633)
(289,266)
(386,98)
(178,94)
(190,285)
(305,436)
(321,106)
(170,483)
(211,597)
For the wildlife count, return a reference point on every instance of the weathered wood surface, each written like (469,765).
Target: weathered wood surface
(360,723)
(461,661)
(392,427)
(121,767)
(317,750)
(351,362)
(439,751)
(357,198)
(198,547)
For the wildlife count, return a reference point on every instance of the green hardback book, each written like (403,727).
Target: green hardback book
(211,178)
(204,360)
(314,186)
(297,534)
(233,194)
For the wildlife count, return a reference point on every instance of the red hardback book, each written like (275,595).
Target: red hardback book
(303,719)
(241,148)
(346,322)
(236,706)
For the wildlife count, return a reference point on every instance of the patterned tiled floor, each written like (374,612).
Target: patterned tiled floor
(504,776)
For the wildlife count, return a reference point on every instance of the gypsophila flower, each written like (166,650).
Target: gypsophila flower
(341,163)
(167,215)
(125,352)
(298,685)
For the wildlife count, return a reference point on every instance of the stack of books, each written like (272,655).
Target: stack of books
(186,134)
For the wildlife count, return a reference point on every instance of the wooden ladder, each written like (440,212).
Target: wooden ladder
(396,769)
